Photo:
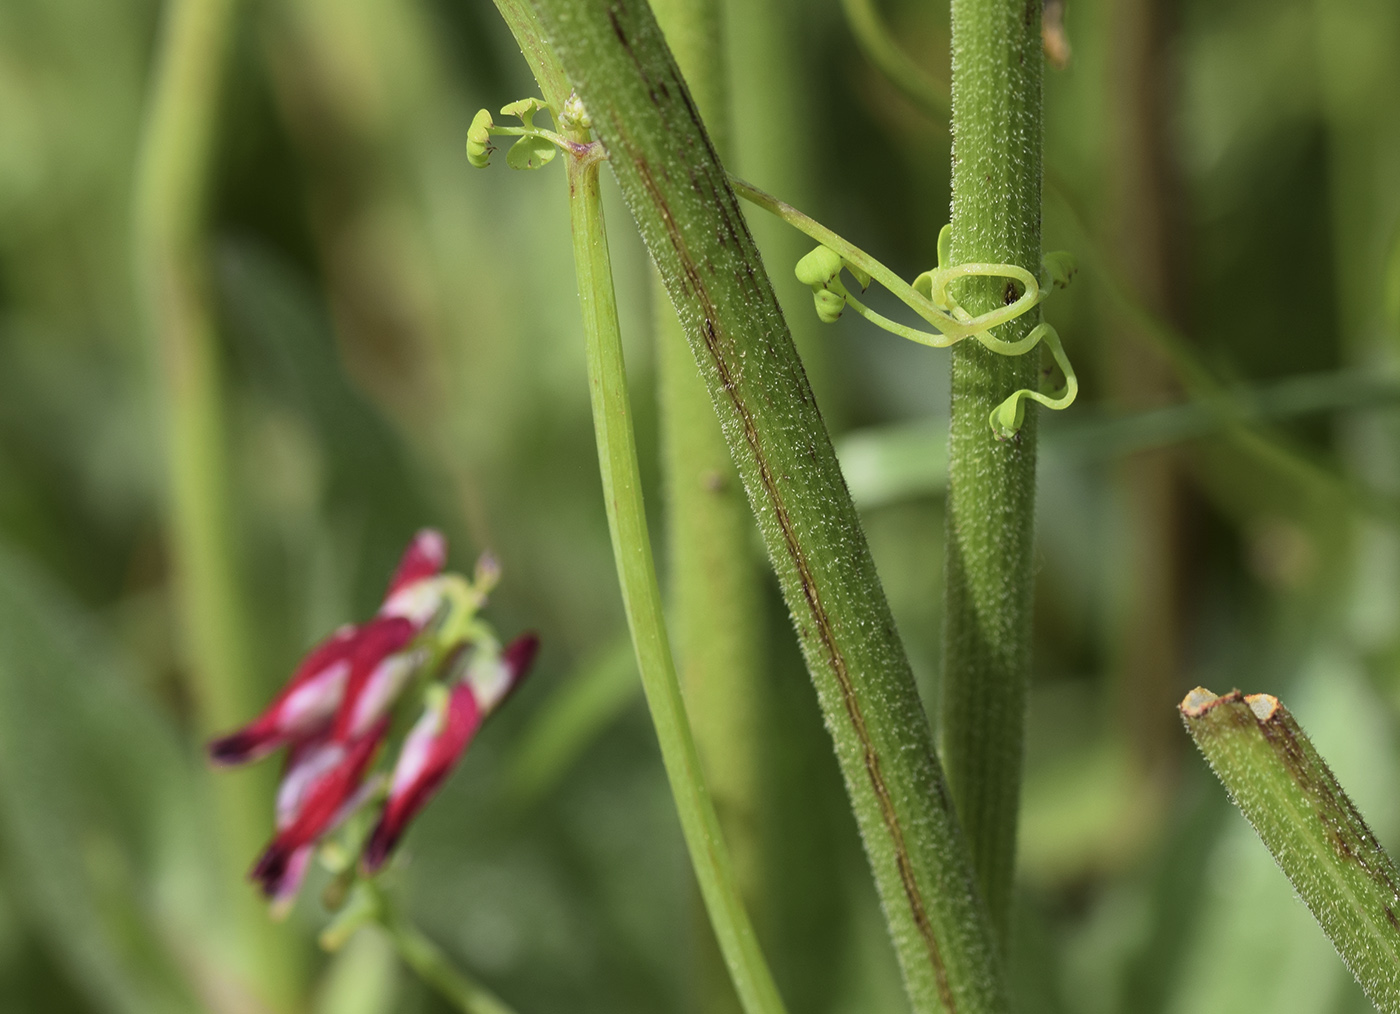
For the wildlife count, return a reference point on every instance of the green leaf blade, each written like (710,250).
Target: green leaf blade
(531,153)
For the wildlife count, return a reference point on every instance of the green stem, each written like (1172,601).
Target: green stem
(435,968)
(627,524)
(174,293)
(622,492)
(694,228)
(715,580)
(881,49)
(991,482)
(172,274)
(1317,836)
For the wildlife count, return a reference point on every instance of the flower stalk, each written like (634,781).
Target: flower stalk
(617,456)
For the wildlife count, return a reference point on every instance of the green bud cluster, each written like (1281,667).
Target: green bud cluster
(536,146)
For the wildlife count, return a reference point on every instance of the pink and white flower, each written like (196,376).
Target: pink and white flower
(441,736)
(354,675)
(335,713)
(323,784)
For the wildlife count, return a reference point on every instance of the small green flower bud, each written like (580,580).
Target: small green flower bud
(479,139)
(819,268)
(1007,417)
(574,116)
(829,305)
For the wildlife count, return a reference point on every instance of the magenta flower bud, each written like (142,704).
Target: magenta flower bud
(322,786)
(413,591)
(430,752)
(440,737)
(302,709)
(425,557)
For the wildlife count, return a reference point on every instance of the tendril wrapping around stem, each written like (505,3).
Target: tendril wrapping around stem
(930,296)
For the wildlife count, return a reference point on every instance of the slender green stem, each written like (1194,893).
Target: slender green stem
(1315,833)
(437,970)
(691,221)
(617,457)
(991,481)
(881,49)
(953,326)
(174,293)
(854,255)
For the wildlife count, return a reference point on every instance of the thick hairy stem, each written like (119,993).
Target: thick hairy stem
(991,481)
(1314,831)
(173,289)
(691,221)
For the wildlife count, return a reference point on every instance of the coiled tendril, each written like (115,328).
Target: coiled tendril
(821,271)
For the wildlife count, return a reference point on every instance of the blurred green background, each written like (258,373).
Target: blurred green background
(398,345)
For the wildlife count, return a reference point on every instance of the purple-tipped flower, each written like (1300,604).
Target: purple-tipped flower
(303,708)
(323,784)
(335,713)
(352,676)
(441,736)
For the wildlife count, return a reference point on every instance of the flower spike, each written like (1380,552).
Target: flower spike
(335,714)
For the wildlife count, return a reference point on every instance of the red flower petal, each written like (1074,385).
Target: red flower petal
(302,708)
(429,754)
(331,775)
(425,557)
(380,638)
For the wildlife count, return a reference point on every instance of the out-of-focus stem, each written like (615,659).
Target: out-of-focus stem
(174,292)
(991,482)
(437,970)
(715,577)
(174,288)
(774,142)
(1315,833)
(881,49)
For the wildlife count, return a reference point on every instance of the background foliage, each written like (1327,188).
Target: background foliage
(401,346)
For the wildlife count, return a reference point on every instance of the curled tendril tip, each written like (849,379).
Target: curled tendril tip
(821,270)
